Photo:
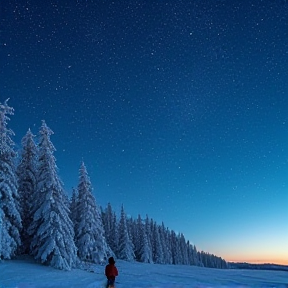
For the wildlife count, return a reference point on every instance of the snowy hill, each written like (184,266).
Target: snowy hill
(27,274)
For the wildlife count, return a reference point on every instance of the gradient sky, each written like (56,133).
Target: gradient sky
(179,110)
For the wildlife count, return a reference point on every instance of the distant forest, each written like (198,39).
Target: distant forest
(266,266)
(38,218)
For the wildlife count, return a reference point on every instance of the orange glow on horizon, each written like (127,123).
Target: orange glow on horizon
(258,261)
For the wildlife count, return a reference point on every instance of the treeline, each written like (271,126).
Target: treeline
(38,218)
(251,266)
(145,241)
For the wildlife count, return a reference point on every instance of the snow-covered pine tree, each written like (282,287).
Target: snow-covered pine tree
(73,205)
(26,172)
(110,227)
(190,253)
(89,232)
(204,257)
(144,251)
(137,238)
(116,235)
(175,248)
(182,249)
(152,239)
(149,234)
(53,238)
(131,227)
(157,245)
(10,219)
(125,249)
(164,234)
(199,259)
(195,256)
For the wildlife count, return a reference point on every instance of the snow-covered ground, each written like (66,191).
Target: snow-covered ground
(27,274)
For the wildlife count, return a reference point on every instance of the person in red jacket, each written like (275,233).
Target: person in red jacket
(111,272)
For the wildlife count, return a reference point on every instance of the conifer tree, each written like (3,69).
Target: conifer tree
(190,253)
(10,219)
(89,232)
(144,252)
(158,249)
(52,228)
(137,238)
(73,205)
(164,236)
(26,172)
(183,249)
(125,249)
(149,235)
(175,248)
(131,227)
(110,228)
(116,235)
(195,256)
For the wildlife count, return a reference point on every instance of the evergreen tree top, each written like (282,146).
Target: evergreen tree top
(45,133)
(6,143)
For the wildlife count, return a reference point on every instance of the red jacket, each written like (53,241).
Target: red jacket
(111,271)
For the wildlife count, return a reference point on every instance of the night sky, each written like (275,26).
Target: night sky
(179,110)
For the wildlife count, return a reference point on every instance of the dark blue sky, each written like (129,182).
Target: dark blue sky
(178,108)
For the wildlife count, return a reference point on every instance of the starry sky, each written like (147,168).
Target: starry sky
(179,110)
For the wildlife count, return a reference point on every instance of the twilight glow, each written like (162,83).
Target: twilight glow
(178,108)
